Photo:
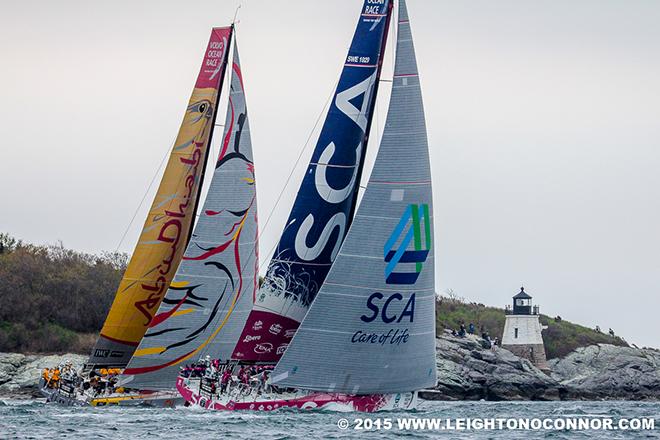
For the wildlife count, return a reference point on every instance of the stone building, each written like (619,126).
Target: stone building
(522,330)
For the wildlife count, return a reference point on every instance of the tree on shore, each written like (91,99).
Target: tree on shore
(52,296)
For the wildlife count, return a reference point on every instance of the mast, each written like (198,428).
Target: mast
(322,211)
(210,141)
(167,226)
(371,328)
(210,297)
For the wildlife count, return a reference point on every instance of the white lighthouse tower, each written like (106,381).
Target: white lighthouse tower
(522,330)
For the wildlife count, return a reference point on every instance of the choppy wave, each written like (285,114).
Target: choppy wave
(29,419)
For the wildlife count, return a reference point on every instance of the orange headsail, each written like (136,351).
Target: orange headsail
(168,225)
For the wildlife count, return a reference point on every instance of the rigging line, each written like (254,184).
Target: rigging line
(236,14)
(209,146)
(153,179)
(288,180)
(300,155)
(214,147)
(395,39)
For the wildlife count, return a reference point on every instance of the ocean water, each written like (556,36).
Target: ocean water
(29,419)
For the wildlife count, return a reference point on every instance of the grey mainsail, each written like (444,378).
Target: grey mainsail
(213,290)
(371,328)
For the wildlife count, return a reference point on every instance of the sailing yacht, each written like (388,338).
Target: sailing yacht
(212,292)
(181,281)
(345,317)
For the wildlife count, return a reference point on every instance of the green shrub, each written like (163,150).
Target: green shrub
(50,295)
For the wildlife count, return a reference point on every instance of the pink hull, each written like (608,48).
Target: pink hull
(370,403)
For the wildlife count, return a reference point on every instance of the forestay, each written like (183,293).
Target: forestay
(212,293)
(371,329)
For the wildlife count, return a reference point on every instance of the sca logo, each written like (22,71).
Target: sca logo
(414,221)
(391,310)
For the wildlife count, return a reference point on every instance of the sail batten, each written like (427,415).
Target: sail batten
(371,328)
(211,296)
(167,228)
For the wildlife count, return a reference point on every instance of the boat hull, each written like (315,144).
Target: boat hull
(54,395)
(163,399)
(299,400)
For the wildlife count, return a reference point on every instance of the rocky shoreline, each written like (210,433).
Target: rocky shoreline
(19,373)
(466,371)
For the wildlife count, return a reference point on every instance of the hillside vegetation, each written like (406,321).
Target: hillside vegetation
(560,338)
(54,299)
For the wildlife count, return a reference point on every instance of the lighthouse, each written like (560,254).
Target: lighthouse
(522,330)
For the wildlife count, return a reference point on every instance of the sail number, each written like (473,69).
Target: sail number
(357,59)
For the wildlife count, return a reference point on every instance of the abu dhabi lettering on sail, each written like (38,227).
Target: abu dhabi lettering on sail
(195,132)
(319,218)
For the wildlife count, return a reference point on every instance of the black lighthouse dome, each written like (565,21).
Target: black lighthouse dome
(522,303)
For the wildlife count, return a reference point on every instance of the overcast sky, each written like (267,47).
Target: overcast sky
(543,121)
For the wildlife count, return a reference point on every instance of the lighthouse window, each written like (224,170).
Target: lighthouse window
(515,330)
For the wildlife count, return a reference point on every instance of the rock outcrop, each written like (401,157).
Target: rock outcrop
(468,371)
(606,371)
(19,374)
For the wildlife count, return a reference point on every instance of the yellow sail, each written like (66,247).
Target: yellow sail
(168,225)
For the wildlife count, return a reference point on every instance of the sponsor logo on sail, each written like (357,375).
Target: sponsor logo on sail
(391,309)
(413,229)
(392,337)
(104,353)
(282,348)
(250,338)
(289,333)
(262,348)
(257,325)
(99,352)
(275,329)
